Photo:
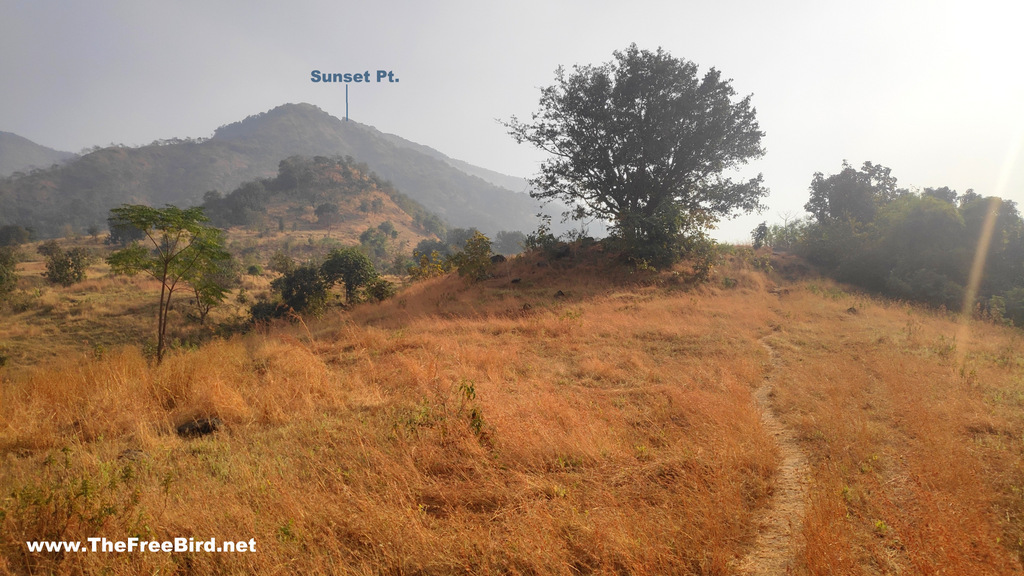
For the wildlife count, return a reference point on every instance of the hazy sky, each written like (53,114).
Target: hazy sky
(932,89)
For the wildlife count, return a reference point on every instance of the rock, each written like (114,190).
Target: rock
(559,294)
(133,455)
(515,280)
(497,259)
(199,427)
(851,310)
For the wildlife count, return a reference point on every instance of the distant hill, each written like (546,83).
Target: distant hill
(18,154)
(180,172)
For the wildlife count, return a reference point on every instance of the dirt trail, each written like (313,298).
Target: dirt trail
(777,544)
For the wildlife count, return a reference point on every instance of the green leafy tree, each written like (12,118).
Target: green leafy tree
(474,261)
(211,282)
(851,195)
(644,142)
(351,267)
(509,242)
(327,214)
(281,263)
(178,245)
(65,267)
(8,271)
(760,235)
(429,265)
(303,289)
(428,245)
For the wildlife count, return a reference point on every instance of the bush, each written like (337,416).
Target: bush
(474,262)
(65,267)
(429,265)
(303,289)
(12,235)
(380,289)
(8,273)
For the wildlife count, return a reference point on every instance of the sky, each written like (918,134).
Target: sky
(933,89)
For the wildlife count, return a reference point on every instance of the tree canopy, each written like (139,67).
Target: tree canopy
(645,142)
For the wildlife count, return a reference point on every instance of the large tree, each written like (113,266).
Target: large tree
(851,195)
(644,142)
(179,246)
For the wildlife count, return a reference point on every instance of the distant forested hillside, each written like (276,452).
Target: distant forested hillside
(181,172)
(19,154)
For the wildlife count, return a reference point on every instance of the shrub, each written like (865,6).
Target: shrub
(303,289)
(8,274)
(65,267)
(380,289)
(474,261)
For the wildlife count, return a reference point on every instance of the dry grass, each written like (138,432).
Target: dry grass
(449,430)
(501,428)
(913,437)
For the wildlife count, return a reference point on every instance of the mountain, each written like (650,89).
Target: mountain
(18,154)
(176,171)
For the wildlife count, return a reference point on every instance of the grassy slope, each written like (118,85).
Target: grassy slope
(498,428)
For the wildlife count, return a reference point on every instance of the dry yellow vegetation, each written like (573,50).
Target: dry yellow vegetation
(581,420)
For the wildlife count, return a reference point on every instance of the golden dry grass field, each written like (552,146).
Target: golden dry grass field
(583,420)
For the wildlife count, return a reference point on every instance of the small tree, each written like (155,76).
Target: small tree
(350,266)
(178,245)
(327,214)
(303,289)
(474,260)
(211,283)
(429,265)
(759,235)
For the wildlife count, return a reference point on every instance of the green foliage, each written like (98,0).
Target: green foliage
(380,289)
(428,245)
(376,244)
(350,266)
(759,235)
(327,214)
(474,262)
(303,289)
(851,195)
(179,246)
(50,248)
(542,238)
(429,265)
(65,267)
(785,236)
(13,235)
(458,237)
(644,142)
(123,233)
(509,242)
(8,271)
(917,247)
(281,263)
(211,282)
